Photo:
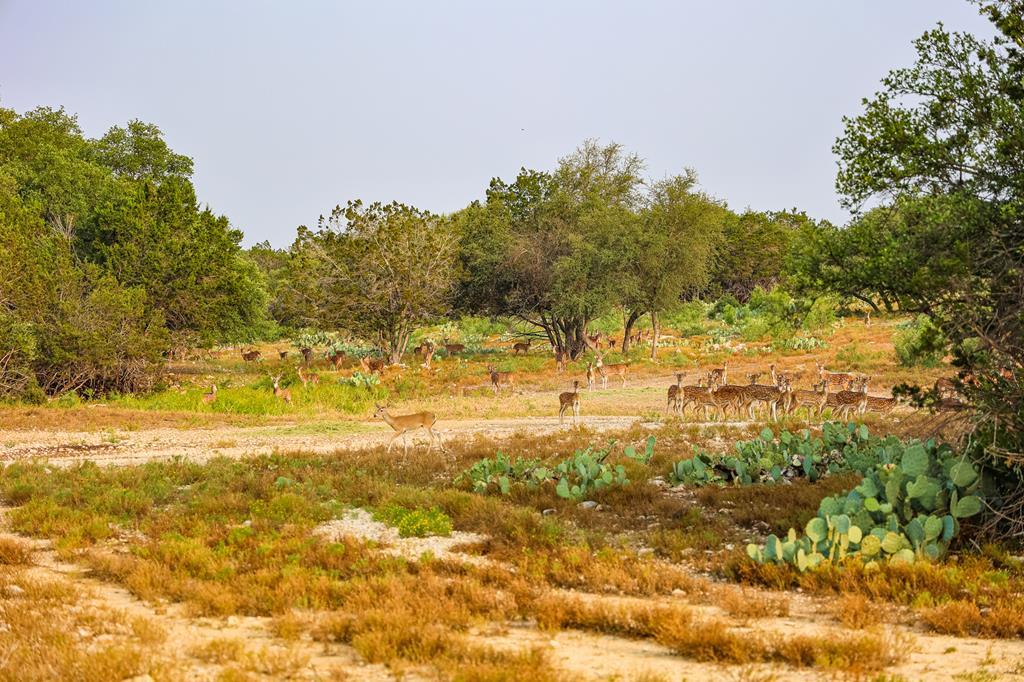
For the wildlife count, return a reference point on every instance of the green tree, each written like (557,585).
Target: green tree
(668,254)
(378,270)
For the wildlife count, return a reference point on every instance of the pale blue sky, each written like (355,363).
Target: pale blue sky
(290,108)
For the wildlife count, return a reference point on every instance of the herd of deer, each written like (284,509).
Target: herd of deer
(713,393)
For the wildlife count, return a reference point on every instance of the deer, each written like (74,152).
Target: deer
(403,424)
(760,393)
(428,355)
(522,347)
(372,365)
(843,402)
(211,396)
(499,379)
(569,399)
(778,377)
(423,347)
(880,405)
(252,356)
(561,359)
(718,376)
(699,396)
(674,395)
(611,343)
(618,369)
(835,378)
(336,359)
(590,376)
(453,348)
(811,399)
(282,393)
(754,376)
(724,397)
(282,354)
(308,378)
(307,355)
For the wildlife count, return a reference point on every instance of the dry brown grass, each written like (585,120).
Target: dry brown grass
(14,552)
(746,604)
(857,612)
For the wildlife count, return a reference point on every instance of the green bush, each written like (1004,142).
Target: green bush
(920,343)
(418,523)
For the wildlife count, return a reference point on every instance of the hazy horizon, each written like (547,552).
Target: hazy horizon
(289,110)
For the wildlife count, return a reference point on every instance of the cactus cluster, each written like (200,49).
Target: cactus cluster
(573,478)
(767,459)
(906,508)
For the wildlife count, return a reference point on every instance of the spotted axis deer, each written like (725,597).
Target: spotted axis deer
(811,399)
(698,396)
(211,395)
(561,359)
(499,379)
(284,394)
(522,347)
(754,376)
(308,377)
(839,379)
(729,395)
(590,376)
(307,355)
(674,395)
(617,369)
(403,424)
(453,348)
(718,376)
(843,402)
(428,355)
(771,396)
(337,358)
(569,399)
(252,356)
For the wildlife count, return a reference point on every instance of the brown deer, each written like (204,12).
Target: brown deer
(698,396)
(611,343)
(453,348)
(724,397)
(811,399)
(521,347)
(308,377)
(211,396)
(754,376)
(428,355)
(567,400)
(674,395)
(717,377)
(590,376)
(772,396)
(252,356)
(561,359)
(843,402)
(307,355)
(839,379)
(284,394)
(423,347)
(372,365)
(337,359)
(403,424)
(880,405)
(499,379)
(282,354)
(616,369)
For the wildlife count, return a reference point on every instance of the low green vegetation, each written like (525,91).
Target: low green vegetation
(416,523)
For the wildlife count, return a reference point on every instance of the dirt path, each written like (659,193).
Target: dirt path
(120,447)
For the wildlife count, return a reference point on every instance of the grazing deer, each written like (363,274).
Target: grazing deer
(499,379)
(307,355)
(718,376)
(521,347)
(453,348)
(590,376)
(372,365)
(403,424)
(618,369)
(211,396)
(567,400)
(252,356)
(308,378)
(561,358)
(282,393)
(674,394)
(282,354)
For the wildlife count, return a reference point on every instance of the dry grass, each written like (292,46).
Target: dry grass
(746,604)
(857,612)
(14,552)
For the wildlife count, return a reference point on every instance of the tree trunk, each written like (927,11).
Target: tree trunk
(654,335)
(634,315)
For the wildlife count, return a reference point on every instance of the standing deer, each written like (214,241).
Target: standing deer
(428,355)
(252,356)
(618,369)
(403,424)
(674,394)
(843,402)
(453,348)
(567,400)
(499,379)
(307,355)
(282,354)
(308,377)
(561,357)
(839,379)
(699,396)
(522,347)
(718,376)
(282,393)
(211,396)
(590,376)
(337,358)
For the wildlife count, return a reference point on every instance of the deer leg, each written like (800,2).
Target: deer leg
(561,414)
(393,439)
(575,413)
(430,443)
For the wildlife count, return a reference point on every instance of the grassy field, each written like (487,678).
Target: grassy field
(358,564)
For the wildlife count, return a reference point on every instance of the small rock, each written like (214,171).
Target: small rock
(729,546)
(13,591)
(653,526)
(548,512)
(232,620)
(589,504)
(247,523)
(678,592)
(645,551)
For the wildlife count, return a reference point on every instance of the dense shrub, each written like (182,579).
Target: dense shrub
(920,343)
